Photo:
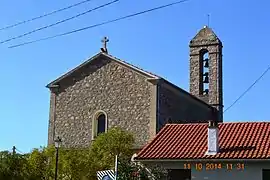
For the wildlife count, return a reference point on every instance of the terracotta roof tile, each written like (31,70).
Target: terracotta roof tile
(249,140)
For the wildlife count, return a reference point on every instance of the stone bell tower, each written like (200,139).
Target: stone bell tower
(206,69)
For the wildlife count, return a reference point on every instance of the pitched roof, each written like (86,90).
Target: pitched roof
(249,140)
(148,74)
(205,35)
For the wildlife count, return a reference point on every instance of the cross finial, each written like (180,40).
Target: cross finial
(105,40)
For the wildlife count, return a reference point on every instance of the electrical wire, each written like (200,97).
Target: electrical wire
(99,24)
(59,22)
(44,15)
(248,89)
(19,150)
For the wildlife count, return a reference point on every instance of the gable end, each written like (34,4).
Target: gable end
(92,60)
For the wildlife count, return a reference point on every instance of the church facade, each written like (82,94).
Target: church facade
(105,91)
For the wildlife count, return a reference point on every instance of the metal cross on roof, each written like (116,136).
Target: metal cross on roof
(105,40)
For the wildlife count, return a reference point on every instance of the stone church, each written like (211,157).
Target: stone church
(105,91)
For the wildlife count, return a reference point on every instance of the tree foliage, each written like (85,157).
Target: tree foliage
(12,166)
(108,145)
(75,163)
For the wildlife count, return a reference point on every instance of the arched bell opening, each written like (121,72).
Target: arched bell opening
(204,57)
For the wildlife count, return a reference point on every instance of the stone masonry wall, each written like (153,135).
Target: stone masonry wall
(104,85)
(179,108)
(207,40)
(51,118)
(215,75)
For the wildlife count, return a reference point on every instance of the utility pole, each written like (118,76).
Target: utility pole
(13,154)
(13,150)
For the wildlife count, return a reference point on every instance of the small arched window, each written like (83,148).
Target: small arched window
(99,123)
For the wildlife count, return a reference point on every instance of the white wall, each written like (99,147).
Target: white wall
(251,171)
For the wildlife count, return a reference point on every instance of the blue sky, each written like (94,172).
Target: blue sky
(157,42)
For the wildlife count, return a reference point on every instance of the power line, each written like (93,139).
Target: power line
(59,22)
(99,24)
(44,15)
(248,89)
(18,150)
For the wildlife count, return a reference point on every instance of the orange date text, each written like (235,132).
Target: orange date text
(214,166)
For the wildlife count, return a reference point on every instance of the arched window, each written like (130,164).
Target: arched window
(99,123)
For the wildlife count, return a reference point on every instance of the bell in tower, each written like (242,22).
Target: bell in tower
(206,91)
(206,68)
(206,78)
(206,63)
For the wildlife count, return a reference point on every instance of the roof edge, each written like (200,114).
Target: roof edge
(188,94)
(52,83)
(121,62)
(150,75)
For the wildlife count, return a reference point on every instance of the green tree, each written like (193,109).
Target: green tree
(73,163)
(40,163)
(119,142)
(106,146)
(12,166)
(77,164)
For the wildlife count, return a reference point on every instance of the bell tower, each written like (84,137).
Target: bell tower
(206,69)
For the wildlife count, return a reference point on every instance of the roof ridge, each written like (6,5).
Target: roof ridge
(132,65)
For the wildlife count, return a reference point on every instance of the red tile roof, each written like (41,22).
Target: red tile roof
(189,141)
